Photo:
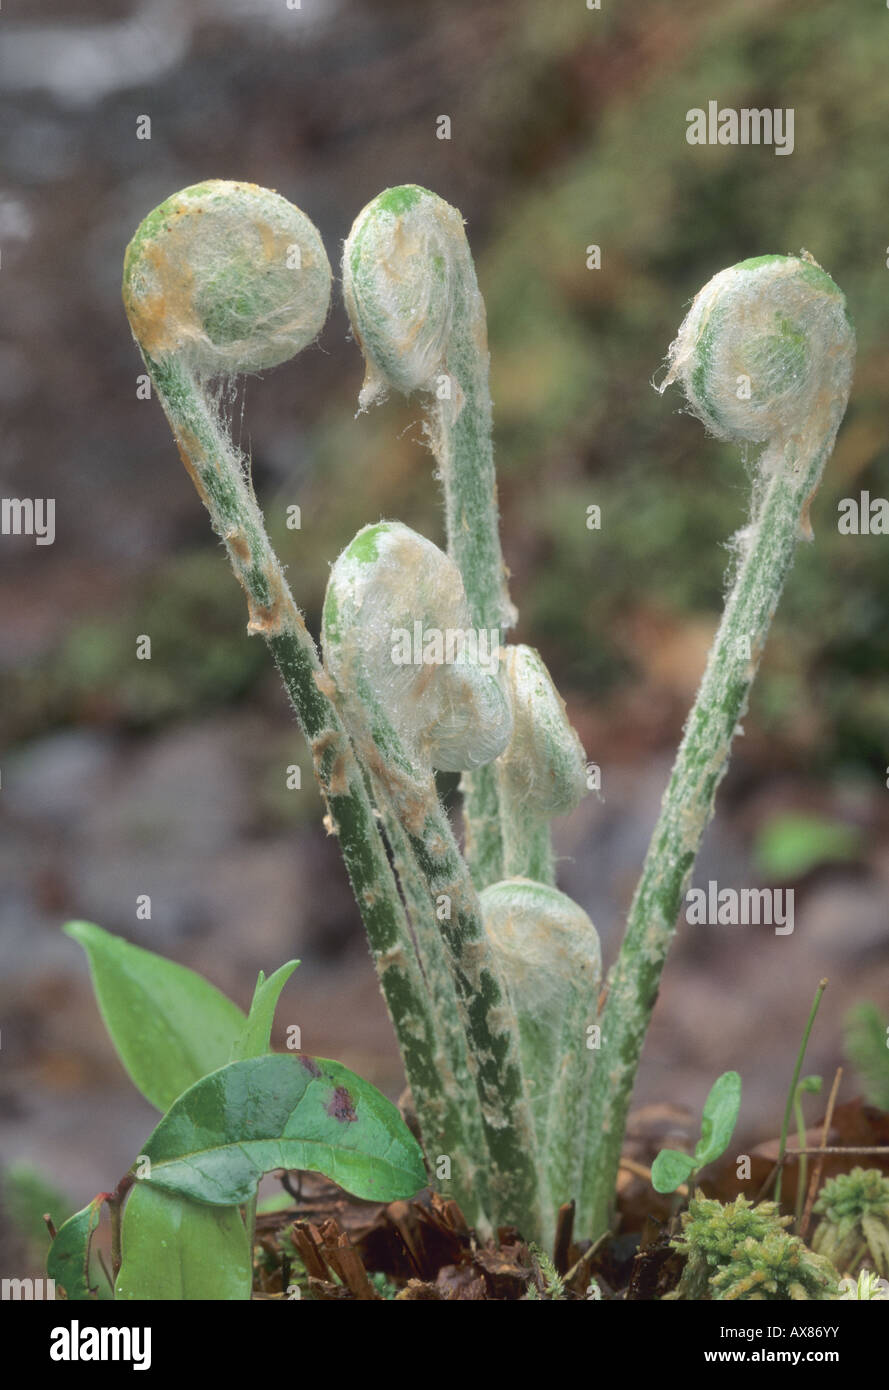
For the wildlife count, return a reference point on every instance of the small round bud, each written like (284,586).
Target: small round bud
(765,350)
(402,261)
(546,946)
(229,277)
(548,953)
(409,668)
(544,766)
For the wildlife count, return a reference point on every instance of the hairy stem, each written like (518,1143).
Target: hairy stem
(527,841)
(687,807)
(218,473)
(414,303)
(765,355)
(406,718)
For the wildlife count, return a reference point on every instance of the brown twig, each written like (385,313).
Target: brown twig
(564,1232)
(819,1166)
(105,1270)
(768,1182)
(583,1264)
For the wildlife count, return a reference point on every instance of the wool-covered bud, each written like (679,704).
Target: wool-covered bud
(543,768)
(766,350)
(409,669)
(548,953)
(404,262)
(226,278)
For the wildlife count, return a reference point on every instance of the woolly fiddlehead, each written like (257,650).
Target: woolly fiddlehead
(542,771)
(548,953)
(413,300)
(418,693)
(765,356)
(221,279)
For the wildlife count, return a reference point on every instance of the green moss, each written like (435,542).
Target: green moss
(855,1219)
(741,1251)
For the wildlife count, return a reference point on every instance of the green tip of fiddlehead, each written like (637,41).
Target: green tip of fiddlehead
(544,766)
(227,278)
(403,261)
(408,668)
(766,350)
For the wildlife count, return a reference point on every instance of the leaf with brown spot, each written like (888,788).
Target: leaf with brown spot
(219,1138)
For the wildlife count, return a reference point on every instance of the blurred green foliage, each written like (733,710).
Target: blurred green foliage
(867,1043)
(574,350)
(789,845)
(27,1197)
(585,111)
(200,657)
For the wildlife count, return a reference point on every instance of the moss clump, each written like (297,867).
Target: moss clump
(742,1251)
(780,1267)
(855,1224)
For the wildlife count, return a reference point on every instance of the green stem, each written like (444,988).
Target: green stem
(482,826)
(803,1172)
(458,1077)
(490,1023)
(800,1056)
(413,299)
(527,842)
(405,719)
(700,764)
(218,473)
(463,446)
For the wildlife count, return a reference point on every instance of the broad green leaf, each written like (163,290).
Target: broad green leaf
(280,1111)
(176,1249)
(169,1026)
(671,1169)
(720,1115)
(257,1032)
(68,1261)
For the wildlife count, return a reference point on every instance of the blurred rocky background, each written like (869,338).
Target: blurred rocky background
(167,777)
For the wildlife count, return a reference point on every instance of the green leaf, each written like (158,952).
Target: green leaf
(791,844)
(671,1169)
(256,1036)
(68,1261)
(176,1249)
(169,1026)
(282,1111)
(719,1118)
